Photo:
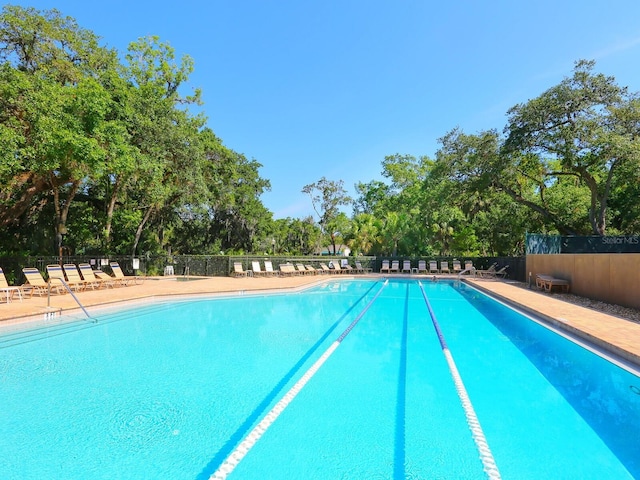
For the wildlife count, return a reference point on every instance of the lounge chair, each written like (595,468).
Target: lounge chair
(457,268)
(110,280)
(395,266)
(125,279)
(302,270)
(548,282)
(468,268)
(74,278)
(9,290)
(36,284)
(433,266)
(488,272)
(57,277)
(88,274)
(313,270)
(406,266)
(444,266)
(325,269)
(287,270)
(347,268)
(493,273)
(268,268)
(501,272)
(385,267)
(255,269)
(422,266)
(362,269)
(335,267)
(238,271)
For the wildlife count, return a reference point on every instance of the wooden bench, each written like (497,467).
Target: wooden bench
(547,282)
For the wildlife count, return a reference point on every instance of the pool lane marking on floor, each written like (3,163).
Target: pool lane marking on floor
(488,462)
(250,440)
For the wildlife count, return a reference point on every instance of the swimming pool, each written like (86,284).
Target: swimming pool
(172,390)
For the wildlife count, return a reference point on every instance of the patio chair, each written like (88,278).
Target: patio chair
(255,268)
(406,266)
(125,279)
(9,290)
(457,268)
(395,266)
(548,282)
(433,266)
(109,279)
(422,266)
(268,268)
(302,270)
(444,266)
(362,269)
(88,274)
(313,270)
(325,269)
(501,272)
(36,284)
(73,277)
(335,267)
(238,271)
(347,268)
(288,270)
(385,267)
(57,277)
(489,272)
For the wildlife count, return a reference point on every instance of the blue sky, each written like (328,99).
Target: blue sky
(329,88)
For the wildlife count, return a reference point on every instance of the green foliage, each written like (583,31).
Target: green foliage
(99,154)
(106,156)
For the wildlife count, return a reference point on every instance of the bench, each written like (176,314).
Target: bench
(547,282)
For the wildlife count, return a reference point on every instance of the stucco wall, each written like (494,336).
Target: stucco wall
(613,278)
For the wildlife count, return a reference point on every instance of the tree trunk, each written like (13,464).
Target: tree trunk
(110,209)
(140,229)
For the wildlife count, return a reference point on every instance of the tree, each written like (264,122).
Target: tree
(586,127)
(326,198)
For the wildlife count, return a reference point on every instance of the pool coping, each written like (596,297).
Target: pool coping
(619,353)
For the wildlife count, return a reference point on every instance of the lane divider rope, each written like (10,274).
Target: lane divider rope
(250,440)
(488,462)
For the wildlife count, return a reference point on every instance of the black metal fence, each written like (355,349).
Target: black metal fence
(222,265)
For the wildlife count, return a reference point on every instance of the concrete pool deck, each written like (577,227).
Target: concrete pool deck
(617,335)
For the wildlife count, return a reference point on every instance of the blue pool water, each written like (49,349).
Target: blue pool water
(171,390)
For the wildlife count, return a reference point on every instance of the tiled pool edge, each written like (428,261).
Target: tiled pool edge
(563,325)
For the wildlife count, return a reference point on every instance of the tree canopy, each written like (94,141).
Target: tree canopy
(100,152)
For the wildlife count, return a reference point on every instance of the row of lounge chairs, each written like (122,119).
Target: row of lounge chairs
(441,268)
(291,269)
(76,278)
(434,267)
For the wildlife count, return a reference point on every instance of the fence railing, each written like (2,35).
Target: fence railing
(222,265)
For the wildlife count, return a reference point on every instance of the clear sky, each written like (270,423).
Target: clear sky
(312,88)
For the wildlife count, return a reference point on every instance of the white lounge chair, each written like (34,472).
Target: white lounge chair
(9,290)
(238,271)
(385,267)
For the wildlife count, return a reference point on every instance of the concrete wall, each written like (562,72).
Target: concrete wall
(612,278)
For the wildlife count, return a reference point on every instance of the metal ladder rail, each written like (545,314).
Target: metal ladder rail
(62,280)
(488,462)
